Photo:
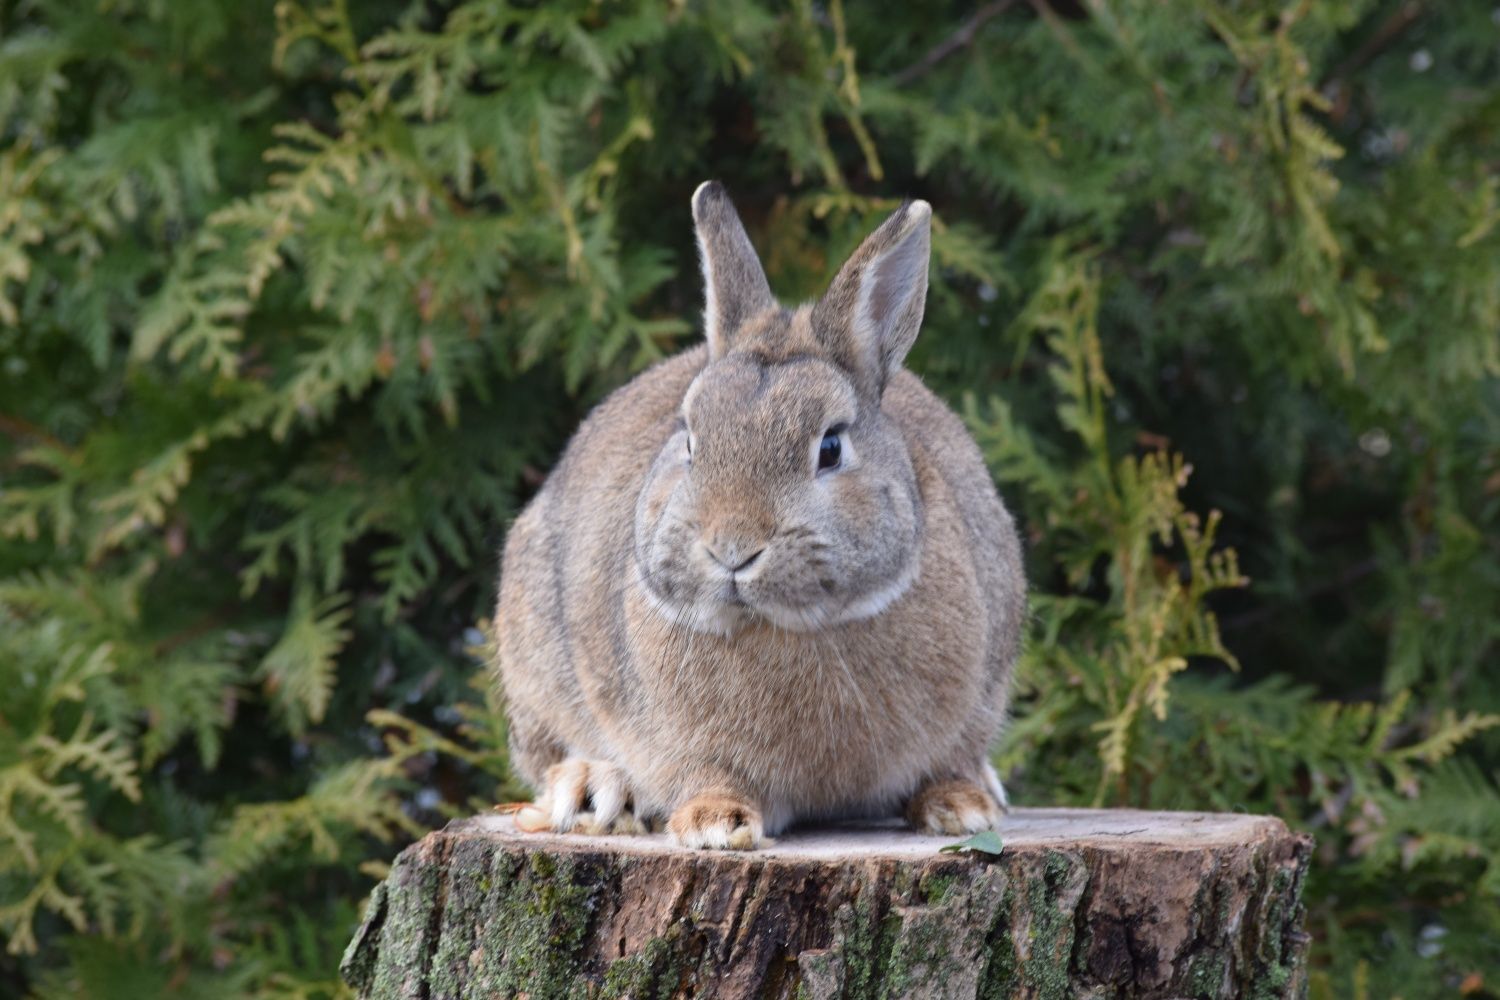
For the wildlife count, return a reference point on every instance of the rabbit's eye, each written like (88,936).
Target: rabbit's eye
(830,451)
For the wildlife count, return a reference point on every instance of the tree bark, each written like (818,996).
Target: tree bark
(1081,903)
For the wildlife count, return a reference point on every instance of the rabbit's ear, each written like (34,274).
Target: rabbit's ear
(734,285)
(872,311)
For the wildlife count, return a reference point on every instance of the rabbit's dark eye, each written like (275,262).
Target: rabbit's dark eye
(830,451)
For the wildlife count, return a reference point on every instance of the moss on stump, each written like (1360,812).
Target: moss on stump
(1082,903)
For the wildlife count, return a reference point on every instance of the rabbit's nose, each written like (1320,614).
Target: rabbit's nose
(732,555)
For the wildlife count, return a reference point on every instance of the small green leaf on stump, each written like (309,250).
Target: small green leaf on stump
(983,842)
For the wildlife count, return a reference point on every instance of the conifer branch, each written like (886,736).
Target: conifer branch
(960,39)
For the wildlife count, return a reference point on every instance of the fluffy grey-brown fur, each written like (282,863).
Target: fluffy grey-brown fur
(697,624)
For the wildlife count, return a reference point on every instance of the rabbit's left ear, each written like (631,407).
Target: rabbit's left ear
(734,284)
(872,312)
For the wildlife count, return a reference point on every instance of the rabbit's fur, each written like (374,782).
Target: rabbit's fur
(697,624)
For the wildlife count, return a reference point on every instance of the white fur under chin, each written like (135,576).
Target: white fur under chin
(874,603)
(712,619)
(727,619)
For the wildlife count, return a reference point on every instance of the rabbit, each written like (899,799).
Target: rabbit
(770,579)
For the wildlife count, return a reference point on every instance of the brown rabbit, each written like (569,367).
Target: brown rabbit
(770,579)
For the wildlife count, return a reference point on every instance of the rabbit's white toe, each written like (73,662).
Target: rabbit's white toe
(997,789)
(577,782)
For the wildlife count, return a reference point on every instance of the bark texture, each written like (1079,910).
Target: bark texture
(1081,903)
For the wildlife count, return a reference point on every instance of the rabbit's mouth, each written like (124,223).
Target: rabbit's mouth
(724,604)
(723,614)
(723,608)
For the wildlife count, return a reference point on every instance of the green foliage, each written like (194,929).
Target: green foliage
(983,842)
(298,301)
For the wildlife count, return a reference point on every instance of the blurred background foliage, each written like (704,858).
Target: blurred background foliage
(298,302)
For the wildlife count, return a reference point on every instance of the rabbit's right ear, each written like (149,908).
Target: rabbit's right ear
(870,316)
(734,285)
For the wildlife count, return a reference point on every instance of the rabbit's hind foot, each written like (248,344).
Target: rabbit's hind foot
(953,808)
(574,784)
(717,820)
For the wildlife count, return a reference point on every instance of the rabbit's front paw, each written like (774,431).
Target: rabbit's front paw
(953,808)
(571,786)
(718,820)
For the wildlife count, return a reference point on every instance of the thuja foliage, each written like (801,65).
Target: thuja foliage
(299,301)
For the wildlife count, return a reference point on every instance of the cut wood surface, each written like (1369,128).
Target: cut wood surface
(1081,903)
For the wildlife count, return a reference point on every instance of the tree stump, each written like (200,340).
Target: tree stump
(1080,903)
